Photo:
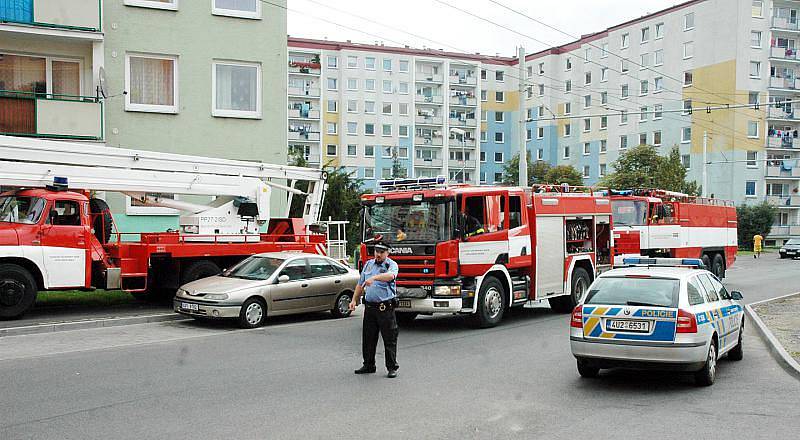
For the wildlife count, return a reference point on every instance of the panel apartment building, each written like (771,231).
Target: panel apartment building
(180,77)
(650,80)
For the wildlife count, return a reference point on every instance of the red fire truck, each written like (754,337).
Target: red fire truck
(479,250)
(657,223)
(55,234)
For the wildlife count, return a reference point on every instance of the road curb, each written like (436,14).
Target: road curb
(87,324)
(775,347)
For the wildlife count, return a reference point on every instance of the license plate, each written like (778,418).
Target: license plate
(404,303)
(628,325)
(790,252)
(190,306)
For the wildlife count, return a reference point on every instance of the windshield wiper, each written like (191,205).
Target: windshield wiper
(643,304)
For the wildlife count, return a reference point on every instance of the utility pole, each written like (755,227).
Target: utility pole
(705,163)
(522,139)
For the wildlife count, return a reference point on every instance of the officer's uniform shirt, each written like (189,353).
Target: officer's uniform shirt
(379,291)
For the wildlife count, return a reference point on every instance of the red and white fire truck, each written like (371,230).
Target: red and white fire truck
(55,235)
(480,250)
(658,223)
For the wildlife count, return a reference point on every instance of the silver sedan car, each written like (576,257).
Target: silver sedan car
(271,284)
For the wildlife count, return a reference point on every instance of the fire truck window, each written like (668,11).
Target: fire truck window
(629,212)
(473,216)
(495,215)
(65,213)
(514,212)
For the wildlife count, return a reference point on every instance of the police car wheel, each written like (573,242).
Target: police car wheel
(705,377)
(341,308)
(737,352)
(586,370)
(491,304)
(253,313)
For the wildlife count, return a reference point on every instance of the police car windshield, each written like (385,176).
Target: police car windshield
(629,212)
(626,291)
(255,268)
(422,222)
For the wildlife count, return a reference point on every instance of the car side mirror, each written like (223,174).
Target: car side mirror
(736,295)
(283,279)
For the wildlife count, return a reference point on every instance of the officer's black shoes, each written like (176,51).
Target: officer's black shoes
(392,374)
(365,370)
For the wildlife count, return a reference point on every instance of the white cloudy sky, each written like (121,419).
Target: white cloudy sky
(439,26)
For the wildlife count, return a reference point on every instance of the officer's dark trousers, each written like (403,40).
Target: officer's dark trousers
(385,323)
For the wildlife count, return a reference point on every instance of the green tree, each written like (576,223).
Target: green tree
(398,171)
(754,219)
(643,167)
(564,174)
(537,170)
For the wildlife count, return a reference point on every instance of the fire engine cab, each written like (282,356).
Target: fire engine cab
(658,223)
(479,250)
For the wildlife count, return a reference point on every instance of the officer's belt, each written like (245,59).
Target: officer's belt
(383,305)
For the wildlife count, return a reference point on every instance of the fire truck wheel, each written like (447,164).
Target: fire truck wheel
(491,303)
(17,291)
(580,283)
(199,269)
(405,318)
(706,261)
(718,266)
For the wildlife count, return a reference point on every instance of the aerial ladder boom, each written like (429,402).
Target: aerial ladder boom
(140,174)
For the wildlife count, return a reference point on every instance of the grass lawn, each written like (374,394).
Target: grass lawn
(76,297)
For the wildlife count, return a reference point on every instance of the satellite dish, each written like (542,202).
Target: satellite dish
(102,87)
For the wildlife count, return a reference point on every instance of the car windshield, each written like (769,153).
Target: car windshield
(628,291)
(425,222)
(793,241)
(629,212)
(255,268)
(25,210)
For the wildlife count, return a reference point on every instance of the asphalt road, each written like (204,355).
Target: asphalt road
(293,379)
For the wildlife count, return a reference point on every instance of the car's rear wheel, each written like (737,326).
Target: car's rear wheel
(705,377)
(341,308)
(253,313)
(586,370)
(737,352)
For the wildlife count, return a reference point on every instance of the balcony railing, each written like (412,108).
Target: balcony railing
(466,101)
(310,136)
(782,172)
(305,67)
(468,122)
(50,115)
(429,163)
(429,140)
(430,77)
(458,164)
(784,230)
(429,120)
(785,200)
(423,99)
(784,83)
(784,53)
(64,14)
(465,80)
(296,113)
(780,113)
(785,23)
(782,142)
(304,91)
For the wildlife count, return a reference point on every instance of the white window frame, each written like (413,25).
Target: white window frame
(686,20)
(335,106)
(352,58)
(502,158)
(503,95)
(502,117)
(689,44)
(502,137)
(760,9)
(760,34)
(587,148)
(539,132)
(400,131)
(172,6)
(659,26)
(625,41)
(354,125)
(366,63)
(235,113)
(367,154)
(150,108)
(353,81)
(236,13)
(400,66)
(750,73)
(586,171)
(355,110)
(539,154)
(683,131)
(660,140)
(755,189)
(603,145)
(336,150)
(335,60)
(750,136)
(565,152)
(372,172)
(656,60)
(383,130)
(600,168)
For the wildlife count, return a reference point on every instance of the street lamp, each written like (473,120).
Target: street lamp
(462,133)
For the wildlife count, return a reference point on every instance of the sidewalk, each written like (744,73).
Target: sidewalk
(782,317)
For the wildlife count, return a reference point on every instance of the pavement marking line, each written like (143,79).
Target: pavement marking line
(777,350)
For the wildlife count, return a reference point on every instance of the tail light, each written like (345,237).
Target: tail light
(687,323)
(577,317)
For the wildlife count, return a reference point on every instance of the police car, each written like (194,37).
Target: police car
(660,313)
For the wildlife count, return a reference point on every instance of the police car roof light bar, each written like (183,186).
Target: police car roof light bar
(664,262)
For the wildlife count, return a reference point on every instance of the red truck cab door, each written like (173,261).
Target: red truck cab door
(64,238)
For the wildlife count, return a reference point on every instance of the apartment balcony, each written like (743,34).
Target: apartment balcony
(784,231)
(468,142)
(465,80)
(784,83)
(436,141)
(464,101)
(458,164)
(783,53)
(779,113)
(429,120)
(427,163)
(305,68)
(430,77)
(422,99)
(785,24)
(296,113)
(468,122)
(312,92)
(308,136)
(782,142)
(51,116)
(784,201)
(79,15)
(780,172)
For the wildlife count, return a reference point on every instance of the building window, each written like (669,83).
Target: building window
(624,91)
(237,8)
(539,132)
(483,136)
(658,84)
(403,88)
(604,50)
(369,85)
(499,76)
(755,39)
(750,188)
(657,138)
(528,134)
(658,57)
(688,50)
(644,61)
(752,98)
(500,96)
(402,152)
(499,117)
(603,97)
(171,5)
(330,150)
(498,137)
(587,125)
(352,84)
(568,64)
(587,78)
(386,173)
(483,74)
(498,178)
(603,122)
(642,138)
(645,34)
(387,65)
(369,150)
(686,161)
(602,171)
(404,66)
(541,68)
(333,84)
(386,130)
(586,171)
(483,176)
(567,108)
(755,69)
(369,63)
(623,117)
(568,86)
(541,89)
(403,109)
(624,41)
(387,108)
(659,31)
(644,88)
(567,129)
(333,106)
(752,129)
(482,156)
(484,95)
(687,78)
(587,148)
(688,21)
(484,115)
(587,101)
(352,150)
(603,74)
(403,131)
(352,62)
(757,9)
(387,152)
(369,128)
(658,111)
(369,173)
(387,86)
(686,135)
(352,128)
(687,107)
(152,83)
(623,142)
(539,154)
(498,157)
(352,106)
(642,114)
(752,159)
(333,62)
(332,128)
(566,152)
(603,145)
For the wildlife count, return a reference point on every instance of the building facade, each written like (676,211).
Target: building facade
(178,76)
(659,80)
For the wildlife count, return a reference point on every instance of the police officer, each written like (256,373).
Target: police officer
(377,284)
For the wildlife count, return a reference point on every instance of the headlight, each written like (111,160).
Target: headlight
(216,296)
(447,291)
(182,292)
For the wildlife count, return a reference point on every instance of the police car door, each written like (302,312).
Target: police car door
(731,314)
(713,312)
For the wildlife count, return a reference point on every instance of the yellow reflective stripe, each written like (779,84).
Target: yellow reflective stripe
(591,323)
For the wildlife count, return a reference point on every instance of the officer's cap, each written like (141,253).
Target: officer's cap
(381,246)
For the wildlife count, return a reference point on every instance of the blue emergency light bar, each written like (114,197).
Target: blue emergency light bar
(664,262)
(59,184)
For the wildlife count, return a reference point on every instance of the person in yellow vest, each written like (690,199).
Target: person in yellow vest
(757,239)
